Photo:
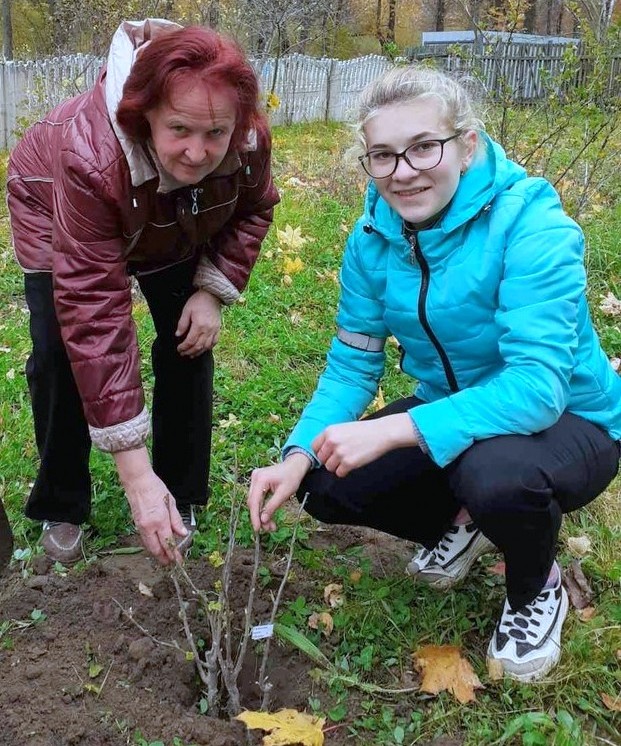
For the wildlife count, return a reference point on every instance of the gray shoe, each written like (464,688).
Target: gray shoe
(451,559)
(189,521)
(62,542)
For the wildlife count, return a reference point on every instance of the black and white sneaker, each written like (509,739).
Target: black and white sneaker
(189,521)
(527,642)
(451,559)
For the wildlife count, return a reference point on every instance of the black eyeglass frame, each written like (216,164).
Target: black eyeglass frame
(403,155)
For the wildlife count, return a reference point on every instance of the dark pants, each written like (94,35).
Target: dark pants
(181,410)
(515,487)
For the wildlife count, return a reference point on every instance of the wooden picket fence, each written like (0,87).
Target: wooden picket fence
(306,88)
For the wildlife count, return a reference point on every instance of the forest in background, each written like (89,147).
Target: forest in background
(332,28)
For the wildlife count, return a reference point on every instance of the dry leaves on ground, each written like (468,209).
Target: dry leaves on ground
(578,588)
(444,669)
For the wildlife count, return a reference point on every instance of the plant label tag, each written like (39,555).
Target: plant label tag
(261,631)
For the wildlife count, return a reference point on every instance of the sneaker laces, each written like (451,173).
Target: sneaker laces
(532,621)
(443,551)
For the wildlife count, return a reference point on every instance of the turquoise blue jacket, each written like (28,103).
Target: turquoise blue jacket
(490,311)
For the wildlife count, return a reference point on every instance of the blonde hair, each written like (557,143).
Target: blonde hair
(403,85)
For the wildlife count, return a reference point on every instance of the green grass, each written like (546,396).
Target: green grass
(272,348)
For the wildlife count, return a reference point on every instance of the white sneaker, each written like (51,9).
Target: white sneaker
(451,559)
(528,642)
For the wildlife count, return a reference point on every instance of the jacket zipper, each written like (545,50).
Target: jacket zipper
(416,256)
(194,194)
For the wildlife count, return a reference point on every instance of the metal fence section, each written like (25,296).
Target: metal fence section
(309,88)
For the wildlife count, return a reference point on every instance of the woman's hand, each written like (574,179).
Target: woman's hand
(282,480)
(153,507)
(200,322)
(347,446)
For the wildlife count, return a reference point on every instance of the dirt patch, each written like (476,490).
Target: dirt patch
(85,675)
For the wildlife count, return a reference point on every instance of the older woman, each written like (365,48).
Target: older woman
(161,172)
(516,417)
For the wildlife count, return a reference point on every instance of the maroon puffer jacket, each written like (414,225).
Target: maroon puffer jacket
(75,213)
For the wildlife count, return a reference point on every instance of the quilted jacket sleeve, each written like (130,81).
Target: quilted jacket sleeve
(351,377)
(225,270)
(93,303)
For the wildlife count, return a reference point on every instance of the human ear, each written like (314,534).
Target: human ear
(470,141)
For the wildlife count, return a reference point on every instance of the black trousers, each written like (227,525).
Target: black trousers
(181,409)
(515,487)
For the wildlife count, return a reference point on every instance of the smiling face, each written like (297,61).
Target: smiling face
(418,195)
(192,131)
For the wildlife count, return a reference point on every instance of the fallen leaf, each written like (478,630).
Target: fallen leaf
(291,238)
(355,576)
(333,595)
(379,402)
(616,363)
(580,593)
(274,417)
(10,374)
(286,727)
(610,305)
(584,615)
(495,669)
(579,545)
(145,590)
(612,703)
(322,621)
(443,668)
(292,266)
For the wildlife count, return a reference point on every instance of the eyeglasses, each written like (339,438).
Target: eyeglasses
(422,156)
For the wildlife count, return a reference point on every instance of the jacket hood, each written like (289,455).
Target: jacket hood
(490,173)
(129,37)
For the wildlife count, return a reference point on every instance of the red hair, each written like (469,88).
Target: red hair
(190,55)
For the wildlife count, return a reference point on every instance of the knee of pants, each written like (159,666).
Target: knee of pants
(512,487)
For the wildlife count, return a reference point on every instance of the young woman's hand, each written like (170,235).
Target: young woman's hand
(200,322)
(281,480)
(153,507)
(349,445)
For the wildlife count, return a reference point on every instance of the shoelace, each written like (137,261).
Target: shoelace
(441,551)
(519,624)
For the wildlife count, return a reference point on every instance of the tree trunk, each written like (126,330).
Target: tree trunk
(392,20)
(213,14)
(7,30)
(530,17)
(440,15)
(379,31)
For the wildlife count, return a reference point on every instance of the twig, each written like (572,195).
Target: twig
(264,685)
(130,617)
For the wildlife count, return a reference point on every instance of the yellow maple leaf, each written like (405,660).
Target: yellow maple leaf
(292,265)
(286,727)
(292,238)
(443,668)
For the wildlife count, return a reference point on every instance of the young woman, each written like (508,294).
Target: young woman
(516,417)
(161,171)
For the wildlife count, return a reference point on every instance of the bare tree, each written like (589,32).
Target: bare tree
(7,30)
(440,15)
(598,15)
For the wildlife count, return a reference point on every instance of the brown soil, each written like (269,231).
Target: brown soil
(47,697)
